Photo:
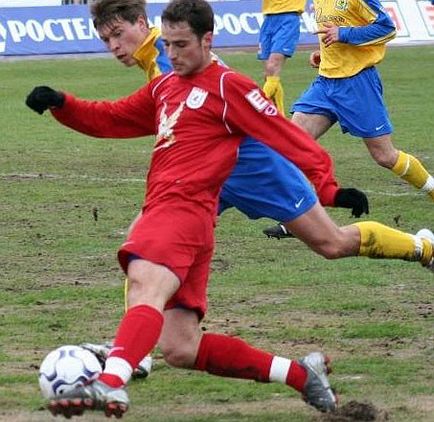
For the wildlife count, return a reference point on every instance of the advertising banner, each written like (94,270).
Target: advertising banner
(69,29)
(47,30)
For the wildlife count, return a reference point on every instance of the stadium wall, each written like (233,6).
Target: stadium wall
(69,29)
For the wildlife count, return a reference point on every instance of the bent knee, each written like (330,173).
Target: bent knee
(386,161)
(383,152)
(179,357)
(333,248)
(331,252)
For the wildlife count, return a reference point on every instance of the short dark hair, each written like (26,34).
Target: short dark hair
(197,13)
(108,11)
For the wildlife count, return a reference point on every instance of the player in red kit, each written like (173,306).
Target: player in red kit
(200,113)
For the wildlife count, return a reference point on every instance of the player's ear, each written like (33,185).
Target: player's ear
(143,23)
(207,39)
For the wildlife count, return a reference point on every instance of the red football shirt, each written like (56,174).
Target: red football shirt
(199,122)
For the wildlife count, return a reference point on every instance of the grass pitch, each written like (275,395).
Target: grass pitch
(67,200)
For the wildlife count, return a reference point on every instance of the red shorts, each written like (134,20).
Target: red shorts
(182,239)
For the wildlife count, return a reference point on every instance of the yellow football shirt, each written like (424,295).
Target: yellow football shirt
(341,60)
(271,7)
(146,55)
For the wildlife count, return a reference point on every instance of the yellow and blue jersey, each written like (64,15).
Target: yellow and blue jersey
(364,29)
(271,7)
(151,57)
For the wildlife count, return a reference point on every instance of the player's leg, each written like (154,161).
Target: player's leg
(228,356)
(369,238)
(167,246)
(102,350)
(404,165)
(184,345)
(362,112)
(278,40)
(272,87)
(313,113)
(265,184)
(184,238)
(150,287)
(313,110)
(314,124)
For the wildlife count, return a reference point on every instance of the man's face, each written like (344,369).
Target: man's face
(187,53)
(123,38)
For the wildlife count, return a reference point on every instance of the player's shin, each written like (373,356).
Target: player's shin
(380,241)
(274,91)
(232,357)
(411,170)
(137,335)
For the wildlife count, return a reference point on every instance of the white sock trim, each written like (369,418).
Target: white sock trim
(418,244)
(279,369)
(119,367)
(429,185)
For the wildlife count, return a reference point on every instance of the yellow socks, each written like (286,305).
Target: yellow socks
(380,241)
(412,171)
(274,91)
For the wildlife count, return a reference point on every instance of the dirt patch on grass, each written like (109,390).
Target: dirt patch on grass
(356,411)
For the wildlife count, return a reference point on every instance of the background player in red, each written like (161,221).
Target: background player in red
(200,113)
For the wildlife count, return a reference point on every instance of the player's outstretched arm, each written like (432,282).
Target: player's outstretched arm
(128,117)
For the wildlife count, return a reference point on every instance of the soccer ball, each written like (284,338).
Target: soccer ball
(65,368)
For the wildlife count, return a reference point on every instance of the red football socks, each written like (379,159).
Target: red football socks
(137,335)
(296,376)
(232,357)
(112,380)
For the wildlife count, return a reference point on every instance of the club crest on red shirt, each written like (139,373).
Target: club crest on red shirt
(196,98)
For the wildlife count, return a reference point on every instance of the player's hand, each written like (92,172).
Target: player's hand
(354,199)
(43,97)
(315,59)
(331,34)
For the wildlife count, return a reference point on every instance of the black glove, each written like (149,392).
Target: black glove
(43,97)
(354,199)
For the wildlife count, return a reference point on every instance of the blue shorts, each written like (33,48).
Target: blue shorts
(356,103)
(279,34)
(265,184)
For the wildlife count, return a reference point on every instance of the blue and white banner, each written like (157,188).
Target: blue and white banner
(69,29)
(47,30)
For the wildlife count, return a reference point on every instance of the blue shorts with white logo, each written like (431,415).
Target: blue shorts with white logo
(265,184)
(356,103)
(279,34)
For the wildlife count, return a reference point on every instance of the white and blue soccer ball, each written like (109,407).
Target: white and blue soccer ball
(66,368)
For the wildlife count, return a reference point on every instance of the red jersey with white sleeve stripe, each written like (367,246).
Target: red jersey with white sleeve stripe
(199,121)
